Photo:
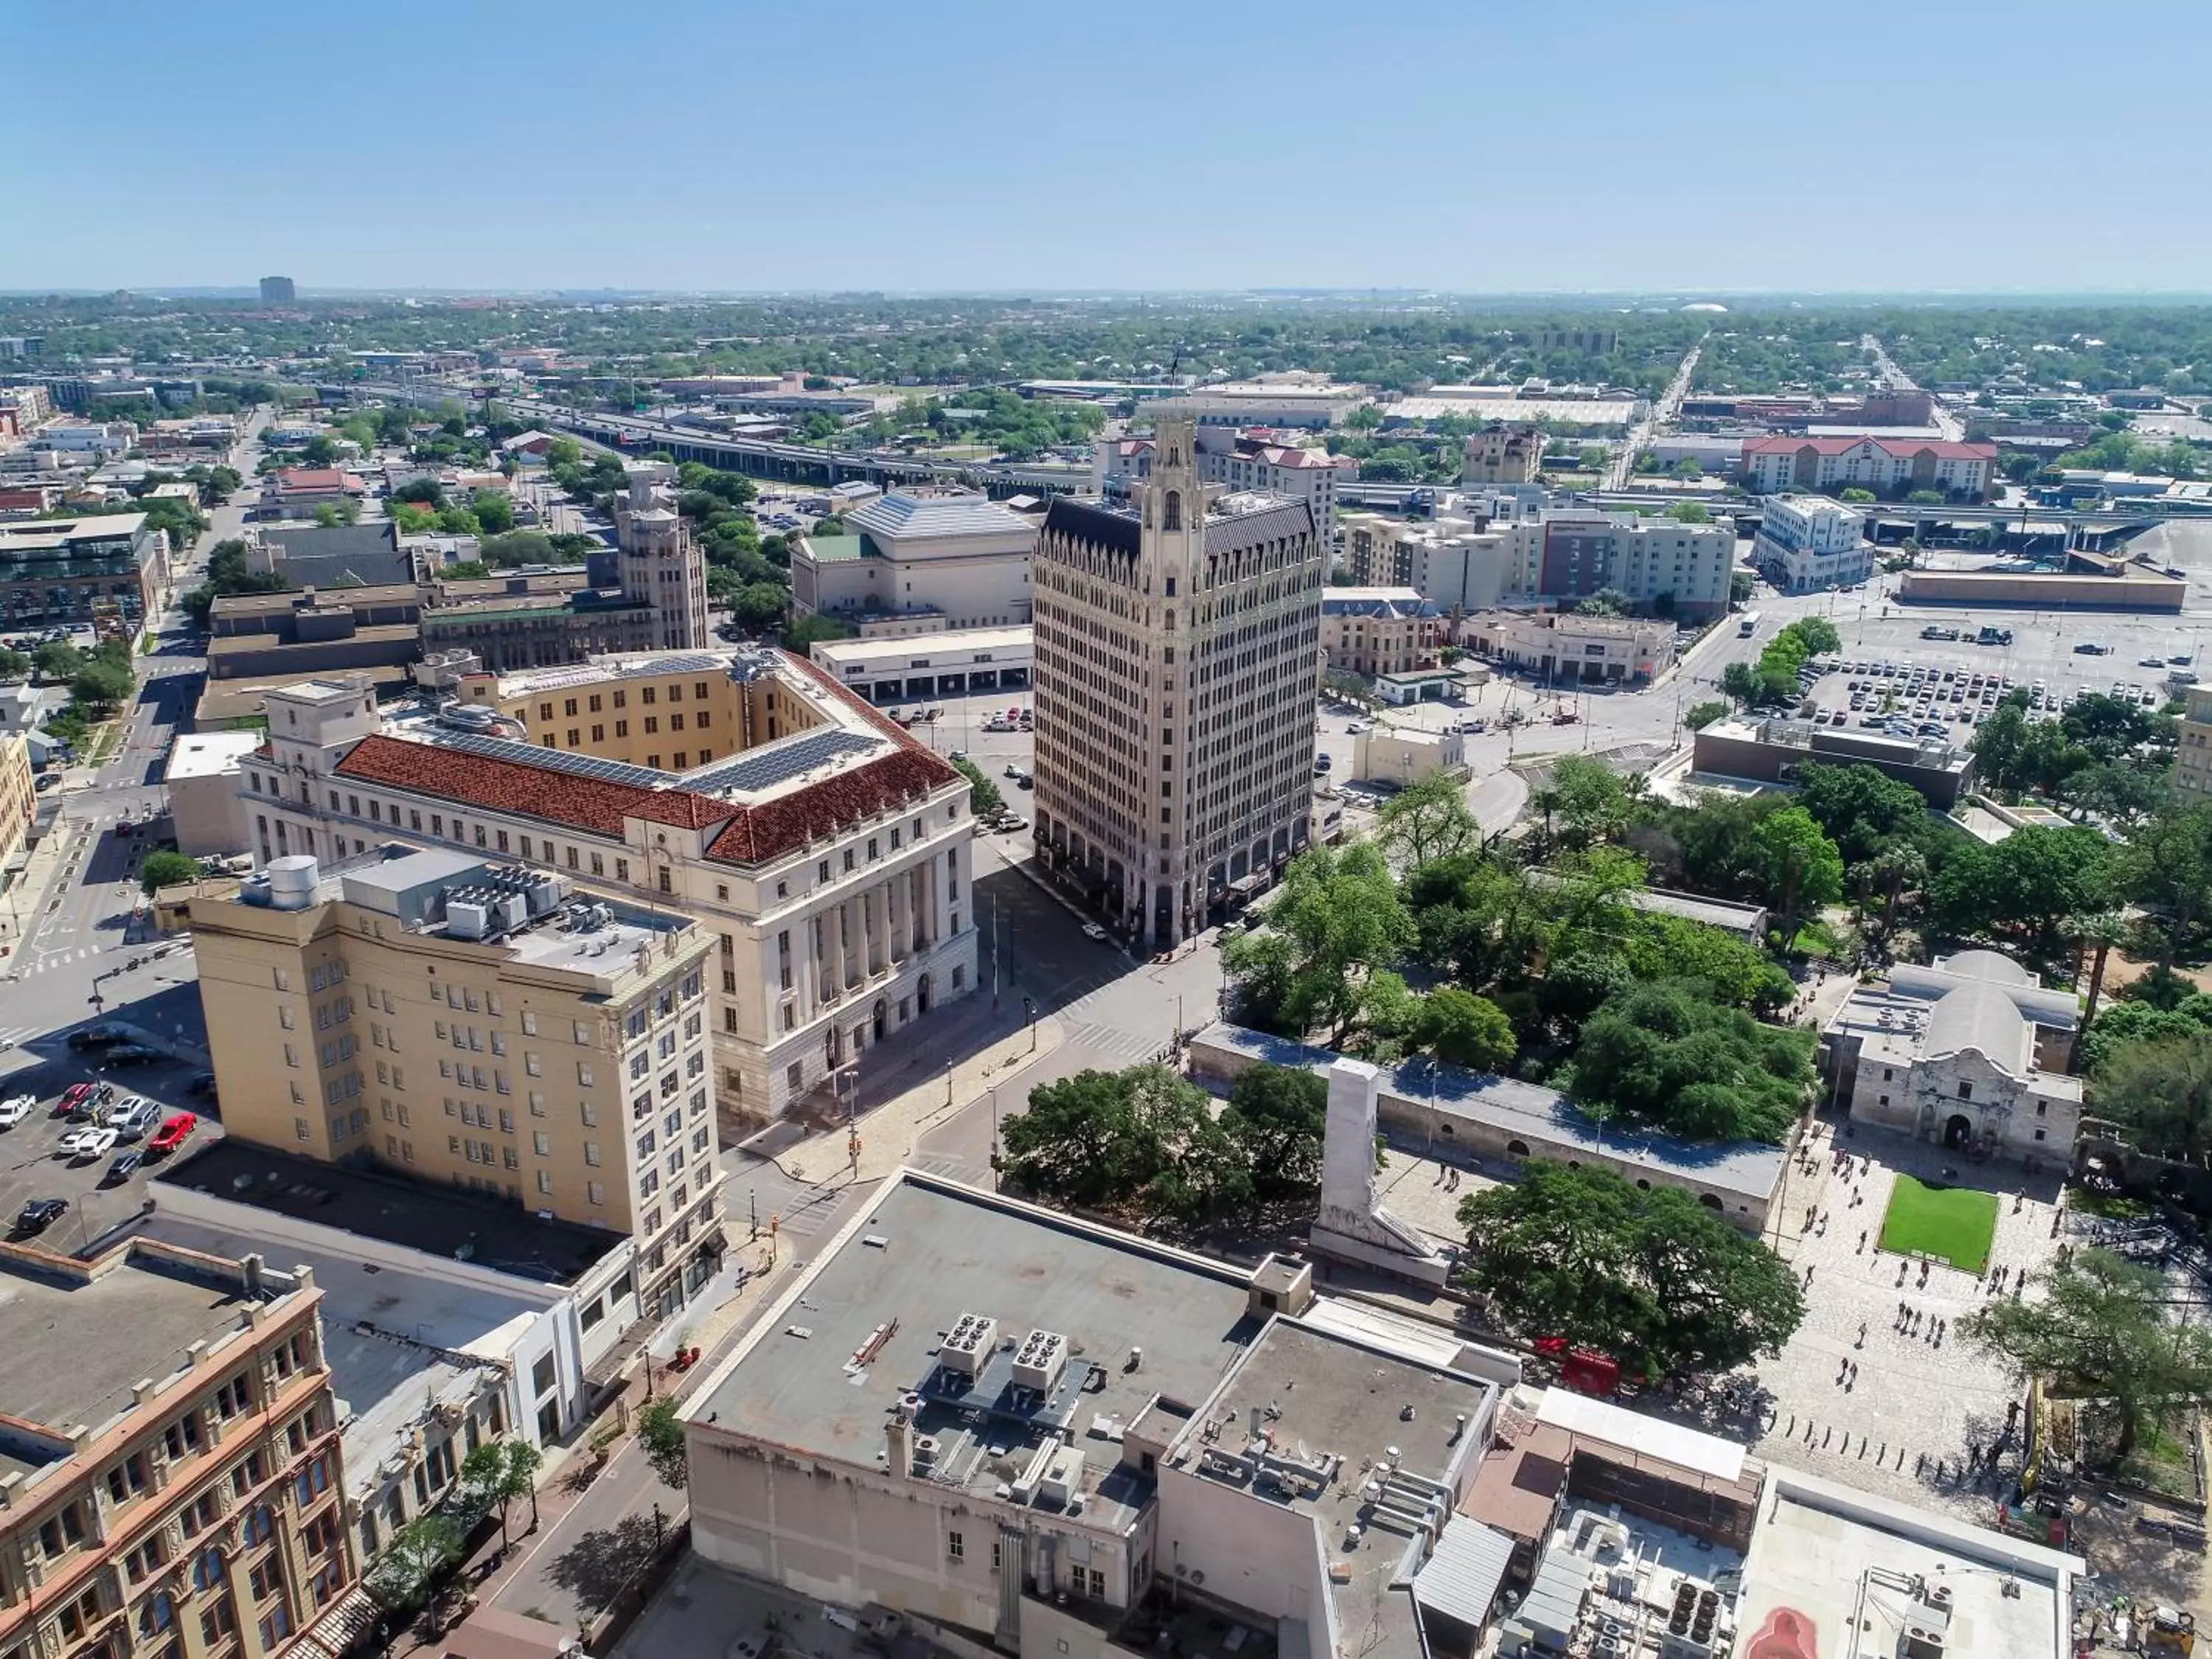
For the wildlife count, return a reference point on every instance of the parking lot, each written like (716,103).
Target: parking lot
(33,1166)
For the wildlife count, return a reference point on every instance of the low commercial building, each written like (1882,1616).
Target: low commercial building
(1972,1053)
(1807,543)
(1769,750)
(1019,1431)
(946,663)
(1403,755)
(448,1320)
(1371,631)
(1564,647)
(312,631)
(1501,1120)
(1892,467)
(205,807)
(171,1475)
(918,560)
(1293,399)
(329,556)
(107,571)
(1682,570)
(296,492)
(584,1093)
(827,849)
(2124,587)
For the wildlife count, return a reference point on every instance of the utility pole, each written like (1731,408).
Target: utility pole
(998,944)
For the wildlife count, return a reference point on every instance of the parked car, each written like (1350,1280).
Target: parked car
(98,1036)
(176,1129)
(203,1082)
(1091,930)
(125,1165)
(16,1108)
(122,1112)
(133,1053)
(72,1097)
(80,1144)
(40,1214)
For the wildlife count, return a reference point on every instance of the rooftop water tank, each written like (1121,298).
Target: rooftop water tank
(292,882)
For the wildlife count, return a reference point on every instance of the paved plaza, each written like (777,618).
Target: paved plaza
(1914,1394)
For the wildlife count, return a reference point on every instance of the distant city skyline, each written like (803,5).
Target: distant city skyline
(1701,147)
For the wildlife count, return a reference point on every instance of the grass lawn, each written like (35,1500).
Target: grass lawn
(1954,1223)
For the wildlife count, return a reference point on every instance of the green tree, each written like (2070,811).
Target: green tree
(1689,512)
(465,570)
(494,511)
(802,631)
(58,659)
(660,1437)
(2160,1090)
(1462,1029)
(1428,819)
(1338,919)
(14,664)
(1666,1054)
(2097,1329)
(1741,683)
(1856,496)
(2026,886)
(1860,808)
(759,606)
(103,682)
(1275,1116)
(1605,602)
(1653,1278)
(519,547)
(1590,800)
(1700,715)
(159,870)
(424,492)
(418,1555)
(500,1471)
(983,796)
(1797,868)
(2167,869)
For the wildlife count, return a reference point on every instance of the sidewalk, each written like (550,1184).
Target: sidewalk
(29,895)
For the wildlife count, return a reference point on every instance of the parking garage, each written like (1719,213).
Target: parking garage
(949,663)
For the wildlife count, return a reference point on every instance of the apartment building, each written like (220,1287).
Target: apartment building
(827,850)
(1504,453)
(916,560)
(170,1477)
(1807,543)
(1378,630)
(659,561)
(19,805)
(1892,467)
(1193,614)
(467,1021)
(107,570)
(1457,564)
(1682,569)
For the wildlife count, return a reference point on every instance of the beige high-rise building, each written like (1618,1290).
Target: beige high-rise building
(2193,757)
(1503,454)
(827,850)
(472,1022)
(660,562)
(1177,662)
(171,1478)
(19,803)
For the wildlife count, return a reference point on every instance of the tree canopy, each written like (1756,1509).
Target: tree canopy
(2096,1328)
(1666,1056)
(1335,926)
(1652,1278)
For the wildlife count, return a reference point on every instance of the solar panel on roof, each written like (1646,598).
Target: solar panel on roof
(552,760)
(764,768)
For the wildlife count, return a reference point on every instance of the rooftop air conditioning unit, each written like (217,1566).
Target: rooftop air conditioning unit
(467,918)
(969,1343)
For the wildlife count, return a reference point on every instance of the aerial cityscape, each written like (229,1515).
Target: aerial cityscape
(933,912)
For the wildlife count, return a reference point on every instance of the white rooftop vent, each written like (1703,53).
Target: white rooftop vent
(969,1343)
(1041,1361)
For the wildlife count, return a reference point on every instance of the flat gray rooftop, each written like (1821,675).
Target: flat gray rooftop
(420,1215)
(75,1349)
(945,1252)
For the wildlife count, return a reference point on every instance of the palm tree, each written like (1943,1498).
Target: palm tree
(2097,931)
(1897,867)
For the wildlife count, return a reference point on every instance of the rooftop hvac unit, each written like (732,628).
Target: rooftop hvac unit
(1062,1477)
(1040,1361)
(511,911)
(968,1344)
(546,893)
(925,1450)
(468,918)
(1921,1641)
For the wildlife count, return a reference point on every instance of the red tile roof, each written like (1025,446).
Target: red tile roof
(748,835)
(1894,446)
(508,786)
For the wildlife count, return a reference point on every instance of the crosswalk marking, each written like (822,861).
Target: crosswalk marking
(953,1166)
(1130,1048)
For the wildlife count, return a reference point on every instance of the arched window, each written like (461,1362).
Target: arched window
(207,1570)
(1171,513)
(1710,1201)
(260,1524)
(155,1616)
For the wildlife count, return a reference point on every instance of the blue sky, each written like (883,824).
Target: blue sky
(1487,145)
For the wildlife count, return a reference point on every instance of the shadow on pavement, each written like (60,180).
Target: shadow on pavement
(600,1562)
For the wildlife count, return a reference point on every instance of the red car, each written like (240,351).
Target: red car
(176,1129)
(72,1097)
